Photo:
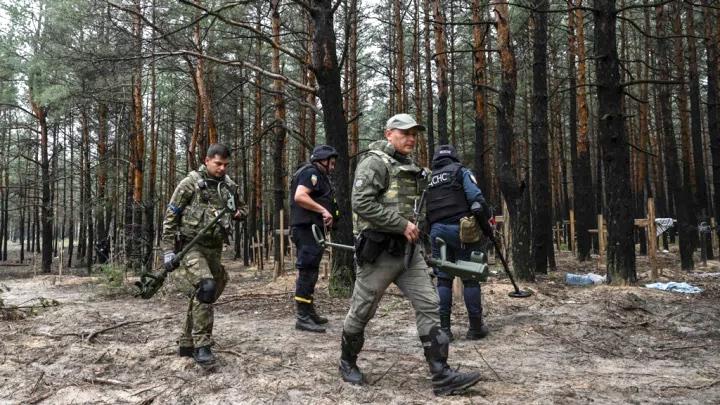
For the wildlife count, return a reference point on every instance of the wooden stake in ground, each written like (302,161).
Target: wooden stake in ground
(572,232)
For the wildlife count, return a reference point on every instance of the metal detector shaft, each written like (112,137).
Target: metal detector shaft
(320,240)
(518,293)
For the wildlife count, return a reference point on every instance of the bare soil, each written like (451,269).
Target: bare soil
(563,345)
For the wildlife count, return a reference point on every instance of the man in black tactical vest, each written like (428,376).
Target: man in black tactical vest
(454,196)
(312,201)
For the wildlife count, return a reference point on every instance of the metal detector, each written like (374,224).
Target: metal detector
(475,269)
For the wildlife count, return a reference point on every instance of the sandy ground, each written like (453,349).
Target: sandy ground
(563,345)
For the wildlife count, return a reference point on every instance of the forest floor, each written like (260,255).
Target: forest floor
(94,343)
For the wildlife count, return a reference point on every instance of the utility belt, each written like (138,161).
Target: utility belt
(370,244)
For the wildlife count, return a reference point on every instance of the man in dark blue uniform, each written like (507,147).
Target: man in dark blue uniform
(311,202)
(452,194)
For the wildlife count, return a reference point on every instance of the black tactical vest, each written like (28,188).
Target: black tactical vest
(323,196)
(445,194)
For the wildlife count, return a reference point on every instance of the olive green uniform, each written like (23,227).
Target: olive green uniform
(385,190)
(194,204)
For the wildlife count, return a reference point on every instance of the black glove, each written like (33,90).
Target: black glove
(482,213)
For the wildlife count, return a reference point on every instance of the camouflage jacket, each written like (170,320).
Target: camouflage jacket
(386,187)
(194,204)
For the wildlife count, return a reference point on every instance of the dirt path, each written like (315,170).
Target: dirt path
(564,345)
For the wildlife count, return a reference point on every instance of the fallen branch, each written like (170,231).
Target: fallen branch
(37,383)
(107,381)
(664,349)
(40,398)
(121,324)
(383,374)
(488,364)
(228,351)
(697,387)
(234,298)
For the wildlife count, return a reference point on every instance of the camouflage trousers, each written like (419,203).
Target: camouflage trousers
(200,262)
(374,278)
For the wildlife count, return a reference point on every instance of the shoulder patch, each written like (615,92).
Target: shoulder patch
(359,183)
(314,180)
(472,177)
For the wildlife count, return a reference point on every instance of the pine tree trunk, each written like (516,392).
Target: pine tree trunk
(479,32)
(398,11)
(614,149)
(712,101)
(428,82)
(516,192)
(327,74)
(88,206)
(677,186)
(279,141)
(441,61)
(582,173)
(542,214)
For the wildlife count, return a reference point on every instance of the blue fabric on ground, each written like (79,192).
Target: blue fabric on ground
(675,287)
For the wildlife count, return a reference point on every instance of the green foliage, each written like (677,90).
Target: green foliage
(112,275)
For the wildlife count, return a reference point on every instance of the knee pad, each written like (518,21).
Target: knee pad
(207,291)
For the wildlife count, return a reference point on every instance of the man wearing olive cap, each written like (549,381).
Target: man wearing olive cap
(386,187)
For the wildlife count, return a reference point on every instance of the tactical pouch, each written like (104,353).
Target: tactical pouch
(370,245)
(469,229)
(396,245)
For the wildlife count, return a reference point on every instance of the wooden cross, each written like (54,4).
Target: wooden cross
(558,234)
(649,225)
(601,231)
(572,231)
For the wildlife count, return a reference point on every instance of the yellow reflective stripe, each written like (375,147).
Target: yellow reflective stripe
(303,300)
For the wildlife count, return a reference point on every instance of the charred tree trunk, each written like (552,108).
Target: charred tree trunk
(712,106)
(327,73)
(542,214)
(679,189)
(516,192)
(614,149)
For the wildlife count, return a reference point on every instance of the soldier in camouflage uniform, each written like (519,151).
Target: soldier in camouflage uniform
(386,187)
(195,203)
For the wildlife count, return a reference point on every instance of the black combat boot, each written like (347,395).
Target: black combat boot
(445,326)
(350,347)
(304,320)
(204,356)
(445,380)
(320,320)
(185,351)
(477,329)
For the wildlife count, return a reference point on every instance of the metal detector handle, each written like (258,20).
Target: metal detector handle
(324,244)
(317,234)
